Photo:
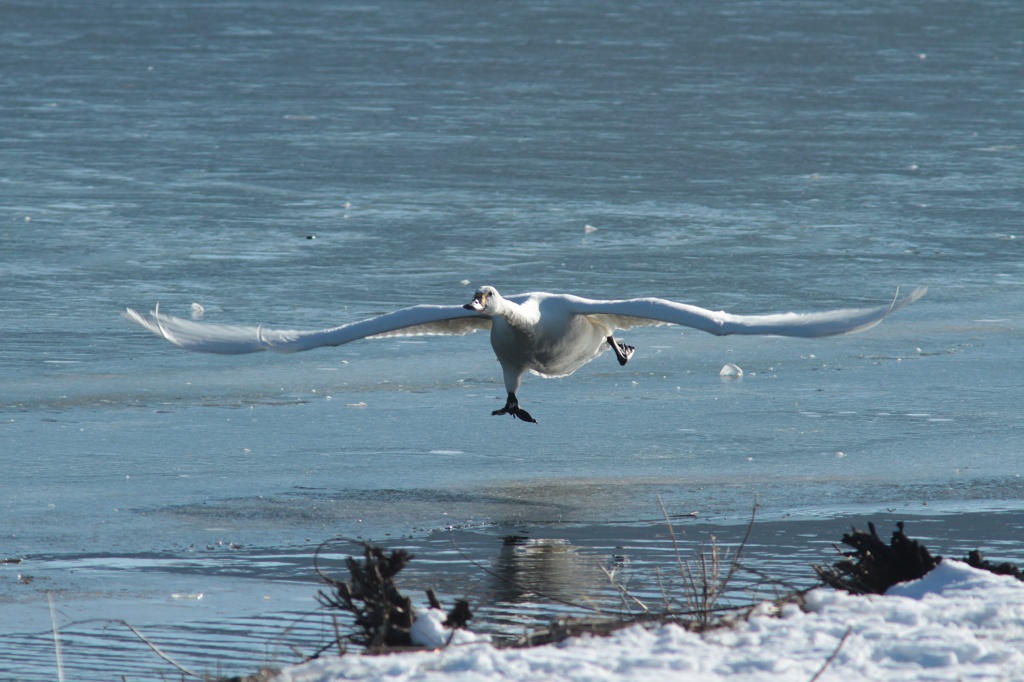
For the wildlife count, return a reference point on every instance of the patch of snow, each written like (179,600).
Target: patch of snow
(956,623)
(428,630)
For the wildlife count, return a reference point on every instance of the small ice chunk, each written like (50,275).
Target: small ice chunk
(197,311)
(730,370)
(588,229)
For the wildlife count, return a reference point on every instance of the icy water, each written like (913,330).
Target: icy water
(309,164)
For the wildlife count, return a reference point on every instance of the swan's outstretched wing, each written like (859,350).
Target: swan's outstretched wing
(651,311)
(419,320)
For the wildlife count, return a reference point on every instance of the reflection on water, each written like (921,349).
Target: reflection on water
(528,569)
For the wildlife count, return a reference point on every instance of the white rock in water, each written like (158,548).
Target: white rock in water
(730,370)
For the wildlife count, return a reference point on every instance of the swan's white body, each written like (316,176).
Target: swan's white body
(550,334)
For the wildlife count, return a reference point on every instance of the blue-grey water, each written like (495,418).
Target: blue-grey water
(309,164)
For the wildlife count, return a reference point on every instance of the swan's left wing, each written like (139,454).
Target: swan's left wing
(421,320)
(651,311)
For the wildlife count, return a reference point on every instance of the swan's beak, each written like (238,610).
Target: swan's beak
(478,303)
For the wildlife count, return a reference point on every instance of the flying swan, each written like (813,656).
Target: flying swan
(552,335)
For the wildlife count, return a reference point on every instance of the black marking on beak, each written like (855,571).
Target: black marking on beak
(478,303)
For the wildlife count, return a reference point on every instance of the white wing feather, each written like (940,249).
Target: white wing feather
(419,320)
(653,311)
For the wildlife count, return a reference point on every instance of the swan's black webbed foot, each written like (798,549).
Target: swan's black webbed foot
(622,351)
(512,408)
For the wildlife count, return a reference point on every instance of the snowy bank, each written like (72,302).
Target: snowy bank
(956,623)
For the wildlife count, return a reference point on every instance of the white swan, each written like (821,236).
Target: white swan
(549,334)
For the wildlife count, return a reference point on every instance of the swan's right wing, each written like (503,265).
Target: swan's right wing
(421,320)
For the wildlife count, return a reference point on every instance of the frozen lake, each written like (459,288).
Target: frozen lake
(306,164)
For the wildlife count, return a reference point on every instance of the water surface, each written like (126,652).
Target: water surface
(304,164)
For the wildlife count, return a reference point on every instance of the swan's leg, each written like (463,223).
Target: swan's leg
(512,408)
(622,351)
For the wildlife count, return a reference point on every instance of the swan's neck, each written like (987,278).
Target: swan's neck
(517,316)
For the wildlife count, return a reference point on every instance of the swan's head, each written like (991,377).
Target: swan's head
(485,300)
